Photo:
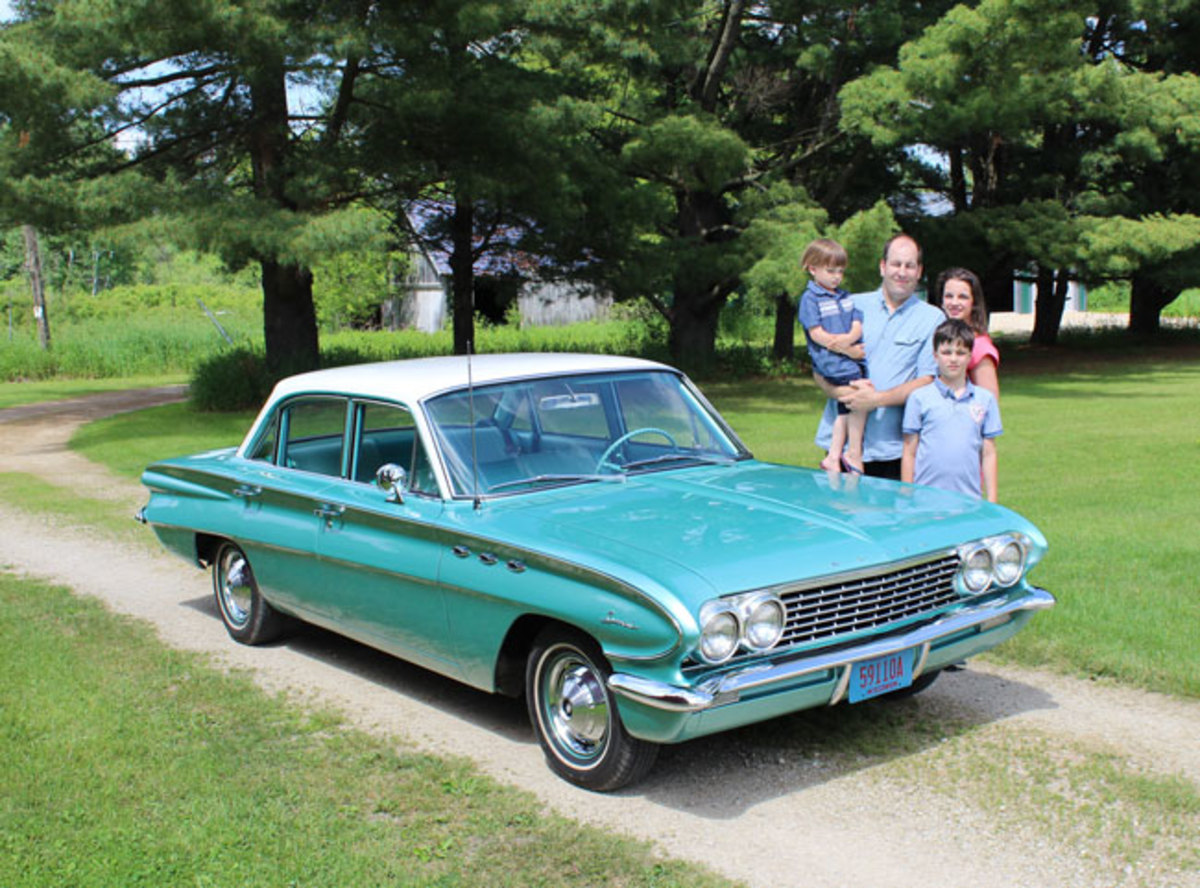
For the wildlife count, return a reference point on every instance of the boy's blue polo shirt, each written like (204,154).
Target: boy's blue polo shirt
(899,348)
(952,430)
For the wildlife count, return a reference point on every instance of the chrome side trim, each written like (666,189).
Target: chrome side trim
(729,687)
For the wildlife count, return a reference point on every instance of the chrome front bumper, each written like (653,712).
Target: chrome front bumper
(766,677)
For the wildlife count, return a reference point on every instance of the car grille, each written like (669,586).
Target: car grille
(855,603)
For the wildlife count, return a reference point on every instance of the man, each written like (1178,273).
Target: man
(898,338)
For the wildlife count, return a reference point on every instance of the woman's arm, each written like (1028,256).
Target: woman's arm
(985,376)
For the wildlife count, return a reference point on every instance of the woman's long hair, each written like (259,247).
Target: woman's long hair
(979,312)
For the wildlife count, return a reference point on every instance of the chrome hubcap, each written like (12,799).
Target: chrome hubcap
(234,588)
(576,705)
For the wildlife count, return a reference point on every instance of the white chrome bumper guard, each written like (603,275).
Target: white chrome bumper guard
(728,688)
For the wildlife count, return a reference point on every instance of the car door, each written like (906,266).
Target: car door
(282,487)
(379,552)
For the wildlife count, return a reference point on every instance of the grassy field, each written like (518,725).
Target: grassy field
(152,768)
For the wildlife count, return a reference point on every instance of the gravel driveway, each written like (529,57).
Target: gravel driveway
(772,805)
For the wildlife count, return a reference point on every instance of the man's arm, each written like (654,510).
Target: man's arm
(908,458)
(839,391)
(868,398)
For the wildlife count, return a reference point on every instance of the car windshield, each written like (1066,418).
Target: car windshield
(531,434)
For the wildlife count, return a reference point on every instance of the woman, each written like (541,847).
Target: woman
(960,295)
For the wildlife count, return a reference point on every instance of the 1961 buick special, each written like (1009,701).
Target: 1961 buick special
(589,532)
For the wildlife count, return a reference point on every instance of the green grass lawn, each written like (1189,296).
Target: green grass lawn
(152,768)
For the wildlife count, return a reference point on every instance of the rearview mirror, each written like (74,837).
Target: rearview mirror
(569,402)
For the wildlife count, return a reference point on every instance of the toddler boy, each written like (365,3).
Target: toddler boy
(833,328)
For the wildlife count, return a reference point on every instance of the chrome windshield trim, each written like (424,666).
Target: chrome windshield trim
(729,687)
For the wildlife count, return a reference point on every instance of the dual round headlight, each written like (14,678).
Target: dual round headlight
(996,561)
(753,621)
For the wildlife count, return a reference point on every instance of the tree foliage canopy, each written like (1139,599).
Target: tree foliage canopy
(675,150)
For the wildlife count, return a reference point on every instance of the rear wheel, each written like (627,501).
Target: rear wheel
(246,614)
(575,716)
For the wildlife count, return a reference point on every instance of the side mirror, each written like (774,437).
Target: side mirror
(390,478)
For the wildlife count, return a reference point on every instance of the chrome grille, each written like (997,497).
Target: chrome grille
(856,603)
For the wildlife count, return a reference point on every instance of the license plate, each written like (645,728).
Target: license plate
(882,675)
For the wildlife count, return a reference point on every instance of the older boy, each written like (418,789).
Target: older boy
(950,425)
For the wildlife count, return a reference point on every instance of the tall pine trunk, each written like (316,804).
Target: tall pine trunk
(784,348)
(1147,299)
(289,315)
(693,336)
(701,287)
(1051,297)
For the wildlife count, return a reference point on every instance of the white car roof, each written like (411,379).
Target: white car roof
(420,378)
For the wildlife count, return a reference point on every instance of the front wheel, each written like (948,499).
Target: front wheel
(575,716)
(246,614)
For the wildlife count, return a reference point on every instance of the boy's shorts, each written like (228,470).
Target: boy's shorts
(842,409)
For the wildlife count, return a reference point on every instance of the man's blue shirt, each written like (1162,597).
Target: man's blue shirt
(899,348)
(952,430)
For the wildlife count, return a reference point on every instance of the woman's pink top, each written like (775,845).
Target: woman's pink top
(983,348)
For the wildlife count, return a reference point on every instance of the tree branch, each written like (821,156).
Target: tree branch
(718,59)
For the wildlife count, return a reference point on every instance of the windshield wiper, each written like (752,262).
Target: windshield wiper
(554,479)
(705,458)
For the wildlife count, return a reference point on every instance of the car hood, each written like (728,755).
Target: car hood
(724,529)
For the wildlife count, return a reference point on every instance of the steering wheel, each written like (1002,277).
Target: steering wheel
(604,461)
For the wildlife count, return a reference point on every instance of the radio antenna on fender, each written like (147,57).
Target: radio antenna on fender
(474,452)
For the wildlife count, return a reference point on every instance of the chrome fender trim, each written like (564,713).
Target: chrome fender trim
(729,687)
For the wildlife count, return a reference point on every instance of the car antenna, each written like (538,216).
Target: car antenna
(474,451)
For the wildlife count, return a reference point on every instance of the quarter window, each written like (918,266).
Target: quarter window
(315,435)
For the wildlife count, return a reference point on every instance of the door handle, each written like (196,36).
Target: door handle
(329,512)
(247,491)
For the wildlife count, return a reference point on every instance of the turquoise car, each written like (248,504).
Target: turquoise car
(588,531)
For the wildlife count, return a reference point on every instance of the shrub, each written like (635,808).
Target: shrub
(233,379)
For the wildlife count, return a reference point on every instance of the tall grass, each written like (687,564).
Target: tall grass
(187,329)
(154,342)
